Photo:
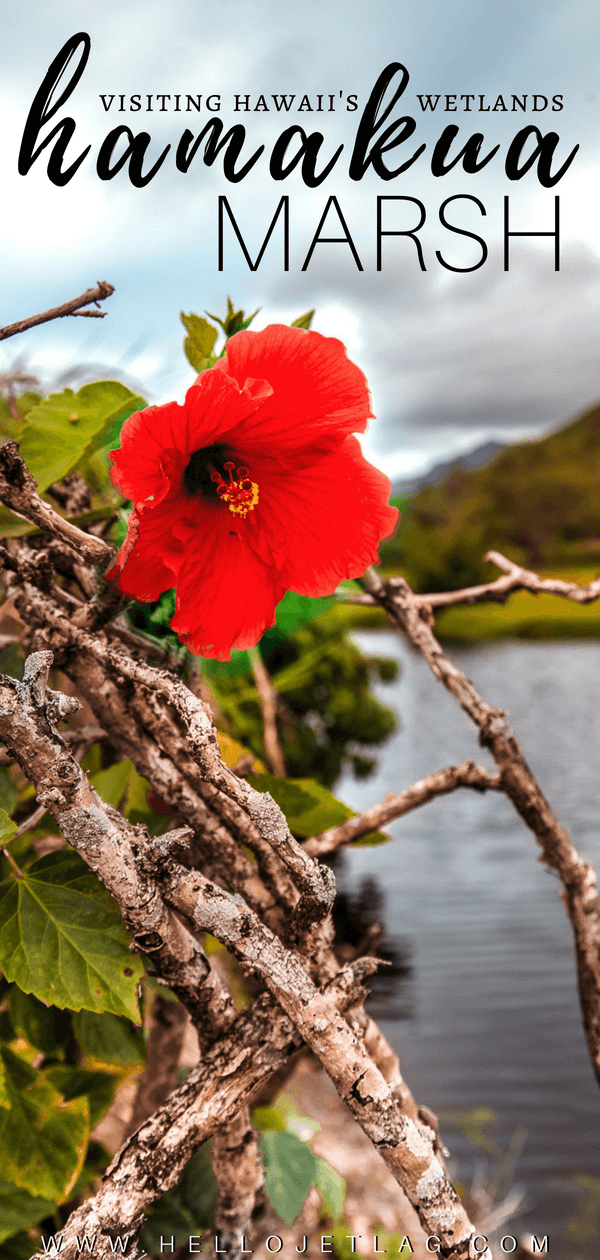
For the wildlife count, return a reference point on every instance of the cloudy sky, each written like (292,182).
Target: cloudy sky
(453,357)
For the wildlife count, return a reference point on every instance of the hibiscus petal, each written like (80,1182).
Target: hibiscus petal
(156,443)
(149,560)
(226,595)
(319,397)
(325,524)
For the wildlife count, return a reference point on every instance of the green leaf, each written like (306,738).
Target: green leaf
(185,1210)
(343,1244)
(43,1139)
(62,938)
(198,1187)
(8,792)
(234,320)
(97,1087)
(109,1039)
(65,427)
(289,794)
(331,1187)
(7,827)
(309,807)
(42,1026)
(112,784)
(285,1114)
(199,343)
(19,1210)
(294,610)
(17,1247)
(123,781)
(96,1159)
(268,1118)
(303,321)
(290,1169)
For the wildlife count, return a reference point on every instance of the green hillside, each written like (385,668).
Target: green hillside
(538,502)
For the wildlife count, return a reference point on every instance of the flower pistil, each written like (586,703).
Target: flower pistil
(241,496)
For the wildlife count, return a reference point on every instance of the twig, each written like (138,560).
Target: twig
(102,290)
(11,862)
(469,774)
(268,703)
(30,822)
(580,896)
(139,643)
(18,490)
(516,578)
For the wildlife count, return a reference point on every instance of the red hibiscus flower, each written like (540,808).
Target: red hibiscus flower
(253,487)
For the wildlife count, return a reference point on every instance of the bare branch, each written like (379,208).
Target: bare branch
(407,1148)
(152,1160)
(407,614)
(239,1175)
(516,578)
(268,703)
(101,291)
(18,490)
(439,783)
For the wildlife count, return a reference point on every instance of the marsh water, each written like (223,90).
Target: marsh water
(491,1016)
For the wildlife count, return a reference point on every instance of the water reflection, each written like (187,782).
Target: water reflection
(496,1018)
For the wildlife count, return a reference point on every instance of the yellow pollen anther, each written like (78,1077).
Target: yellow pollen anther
(241,495)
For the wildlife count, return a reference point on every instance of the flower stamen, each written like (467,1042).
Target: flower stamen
(241,495)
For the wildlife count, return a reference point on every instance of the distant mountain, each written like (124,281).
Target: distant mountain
(477,458)
(539,502)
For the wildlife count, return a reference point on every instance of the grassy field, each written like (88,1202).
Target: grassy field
(524,616)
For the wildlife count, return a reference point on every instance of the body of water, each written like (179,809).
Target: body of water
(495,1016)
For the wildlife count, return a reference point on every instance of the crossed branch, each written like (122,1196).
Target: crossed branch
(173,888)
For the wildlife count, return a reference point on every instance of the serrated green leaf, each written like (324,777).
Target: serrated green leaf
(303,321)
(19,1210)
(198,345)
(98,1087)
(42,1026)
(290,1169)
(7,827)
(109,1038)
(62,938)
(43,1139)
(65,427)
(331,1187)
